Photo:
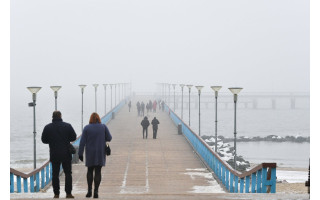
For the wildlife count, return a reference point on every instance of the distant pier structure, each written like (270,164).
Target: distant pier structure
(248,100)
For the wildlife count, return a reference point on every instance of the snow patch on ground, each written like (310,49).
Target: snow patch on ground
(292,176)
(211,187)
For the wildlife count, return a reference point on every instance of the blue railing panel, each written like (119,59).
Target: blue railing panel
(253,182)
(25,185)
(31,184)
(42,178)
(241,185)
(227,179)
(264,180)
(37,182)
(259,181)
(11,183)
(47,174)
(247,184)
(231,183)
(19,184)
(273,180)
(236,184)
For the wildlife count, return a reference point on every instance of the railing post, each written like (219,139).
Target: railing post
(247,184)
(236,184)
(11,183)
(227,179)
(241,185)
(47,174)
(25,185)
(31,184)
(223,175)
(19,184)
(259,181)
(273,180)
(37,182)
(253,182)
(231,183)
(42,178)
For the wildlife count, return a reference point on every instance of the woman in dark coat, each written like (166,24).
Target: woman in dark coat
(93,139)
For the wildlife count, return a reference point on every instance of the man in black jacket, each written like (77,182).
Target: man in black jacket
(58,135)
(145,123)
(155,123)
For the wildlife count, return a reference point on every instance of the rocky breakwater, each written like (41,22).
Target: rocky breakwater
(226,152)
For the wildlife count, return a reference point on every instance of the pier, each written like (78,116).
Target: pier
(173,166)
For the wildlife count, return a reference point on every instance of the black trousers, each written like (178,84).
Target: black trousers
(155,133)
(96,177)
(66,165)
(145,130)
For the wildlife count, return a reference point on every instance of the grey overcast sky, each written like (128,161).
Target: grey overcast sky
(260,45)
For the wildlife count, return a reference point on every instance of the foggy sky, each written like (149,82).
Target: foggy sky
(262,46)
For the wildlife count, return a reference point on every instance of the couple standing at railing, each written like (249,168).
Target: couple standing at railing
(59,134)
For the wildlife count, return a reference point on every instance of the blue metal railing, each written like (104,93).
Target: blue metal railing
(261,178)
(42,176)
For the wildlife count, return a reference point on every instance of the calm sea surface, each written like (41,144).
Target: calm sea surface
(264,121)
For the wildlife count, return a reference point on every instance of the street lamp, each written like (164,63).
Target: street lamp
(199,92)
(34,91)
(105,98)
(82,90)
(55,89)
(95,93)
(181,85)
(235,91)
(216,89)
(111,94)
(189,86)
(174,97)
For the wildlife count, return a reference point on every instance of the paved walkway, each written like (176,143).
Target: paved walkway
(162,168)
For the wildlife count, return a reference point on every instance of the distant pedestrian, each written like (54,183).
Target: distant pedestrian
(155,123)
(93,141)
(142,108)
(154,106)
(138,108)
(145,124)
(58,135)
(129,105)
(162,105)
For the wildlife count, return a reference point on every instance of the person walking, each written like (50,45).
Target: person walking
(145,123)
(93,141)
(155,123)
(142,108)
(129,105)
(58,135)
(138,108)
(154,106)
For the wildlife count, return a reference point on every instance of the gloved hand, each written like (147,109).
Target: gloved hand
(81,158)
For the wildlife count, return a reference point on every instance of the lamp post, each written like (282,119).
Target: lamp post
(181,85)
(105,98)
(174,97)
(189,86)
(95,94)
(55,89)
(34,91)
(199,92)
(82,90)
(111,95)
(235,91)
(216,89)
